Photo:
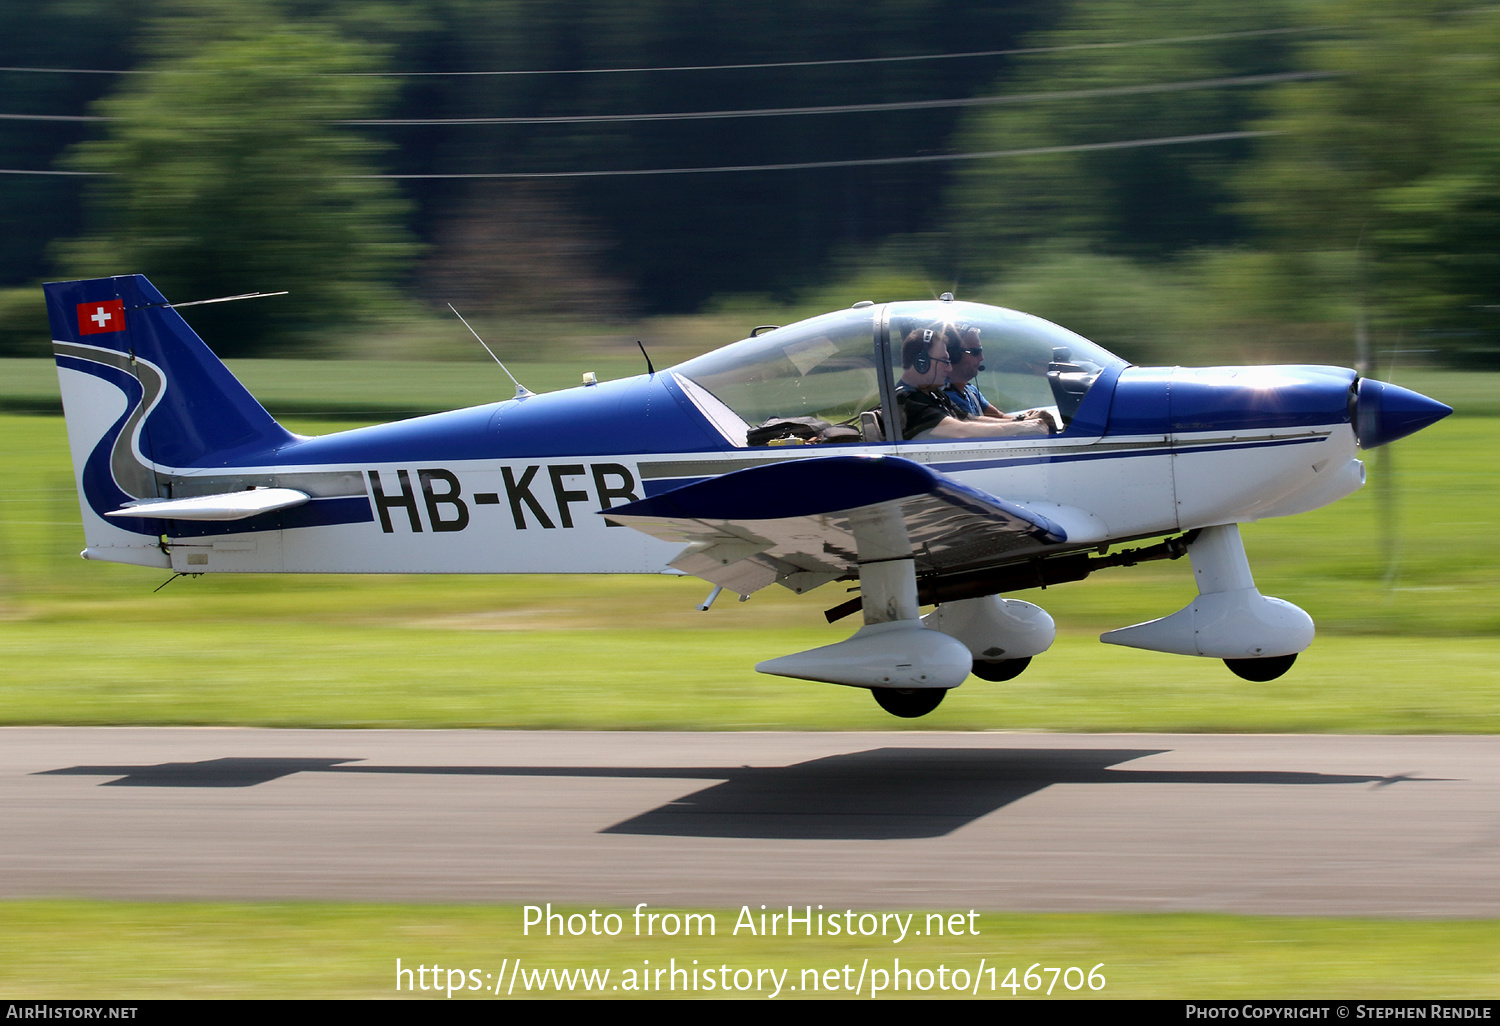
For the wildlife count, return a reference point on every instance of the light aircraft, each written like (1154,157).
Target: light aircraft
(703,469)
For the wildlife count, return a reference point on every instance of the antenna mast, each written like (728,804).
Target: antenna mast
(521,390)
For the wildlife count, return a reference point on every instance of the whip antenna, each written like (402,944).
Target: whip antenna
(521,390)
(227,299)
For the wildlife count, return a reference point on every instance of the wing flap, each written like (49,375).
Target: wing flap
(791,522)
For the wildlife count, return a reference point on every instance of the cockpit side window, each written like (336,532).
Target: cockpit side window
(821,370)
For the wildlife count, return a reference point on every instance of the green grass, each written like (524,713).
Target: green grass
(386,675)
(127,951)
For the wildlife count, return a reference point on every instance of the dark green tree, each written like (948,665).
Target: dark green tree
(1119,71)
(681,238)
(1384,181)
(224,170)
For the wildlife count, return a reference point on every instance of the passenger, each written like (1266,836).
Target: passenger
(967,355)
(927,411)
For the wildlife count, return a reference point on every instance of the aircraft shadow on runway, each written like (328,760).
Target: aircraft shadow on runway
(882,793)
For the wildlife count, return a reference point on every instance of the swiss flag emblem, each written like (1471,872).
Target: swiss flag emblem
(94,318)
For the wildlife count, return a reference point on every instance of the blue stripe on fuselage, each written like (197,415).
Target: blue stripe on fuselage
(659,485)
(1182,448)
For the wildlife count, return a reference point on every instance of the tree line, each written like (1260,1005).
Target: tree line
(1279,162)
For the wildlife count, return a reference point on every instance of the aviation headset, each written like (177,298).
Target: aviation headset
(922,361)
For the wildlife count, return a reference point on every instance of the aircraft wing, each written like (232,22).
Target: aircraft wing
(791,522)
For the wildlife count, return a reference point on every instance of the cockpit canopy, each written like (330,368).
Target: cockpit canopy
(842,365)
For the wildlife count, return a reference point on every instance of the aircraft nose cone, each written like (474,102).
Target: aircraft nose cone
(1387,412)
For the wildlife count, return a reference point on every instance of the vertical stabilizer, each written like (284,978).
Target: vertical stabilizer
(143,397)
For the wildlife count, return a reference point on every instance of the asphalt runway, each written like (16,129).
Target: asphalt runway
(1341,825)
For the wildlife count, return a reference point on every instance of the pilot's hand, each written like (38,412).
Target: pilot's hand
(1040,420)
(1045,416)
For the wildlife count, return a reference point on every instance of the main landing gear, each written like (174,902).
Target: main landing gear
(907,660)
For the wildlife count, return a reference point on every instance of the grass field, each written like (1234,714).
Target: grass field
(127,951)
(1401,579)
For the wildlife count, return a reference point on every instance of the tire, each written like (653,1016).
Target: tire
(908,703)
(1261,670)
(1000,669)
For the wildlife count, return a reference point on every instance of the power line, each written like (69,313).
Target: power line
(70,174)
(932,158)
(1015,51)
(78,71)
(53,117)
(1173,140)
(1017,98)
(1012,52)
(856,108)
(767,112)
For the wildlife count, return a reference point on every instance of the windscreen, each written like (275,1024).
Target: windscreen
(1025,362)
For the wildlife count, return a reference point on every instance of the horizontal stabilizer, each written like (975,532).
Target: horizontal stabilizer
(227,506)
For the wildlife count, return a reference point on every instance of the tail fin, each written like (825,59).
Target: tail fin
(143,397)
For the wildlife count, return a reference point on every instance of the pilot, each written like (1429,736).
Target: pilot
(927,411)
(967,356)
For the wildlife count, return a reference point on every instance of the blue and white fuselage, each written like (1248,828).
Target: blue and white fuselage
(179,467)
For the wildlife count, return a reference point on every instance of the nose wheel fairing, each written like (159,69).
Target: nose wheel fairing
(1230,619)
